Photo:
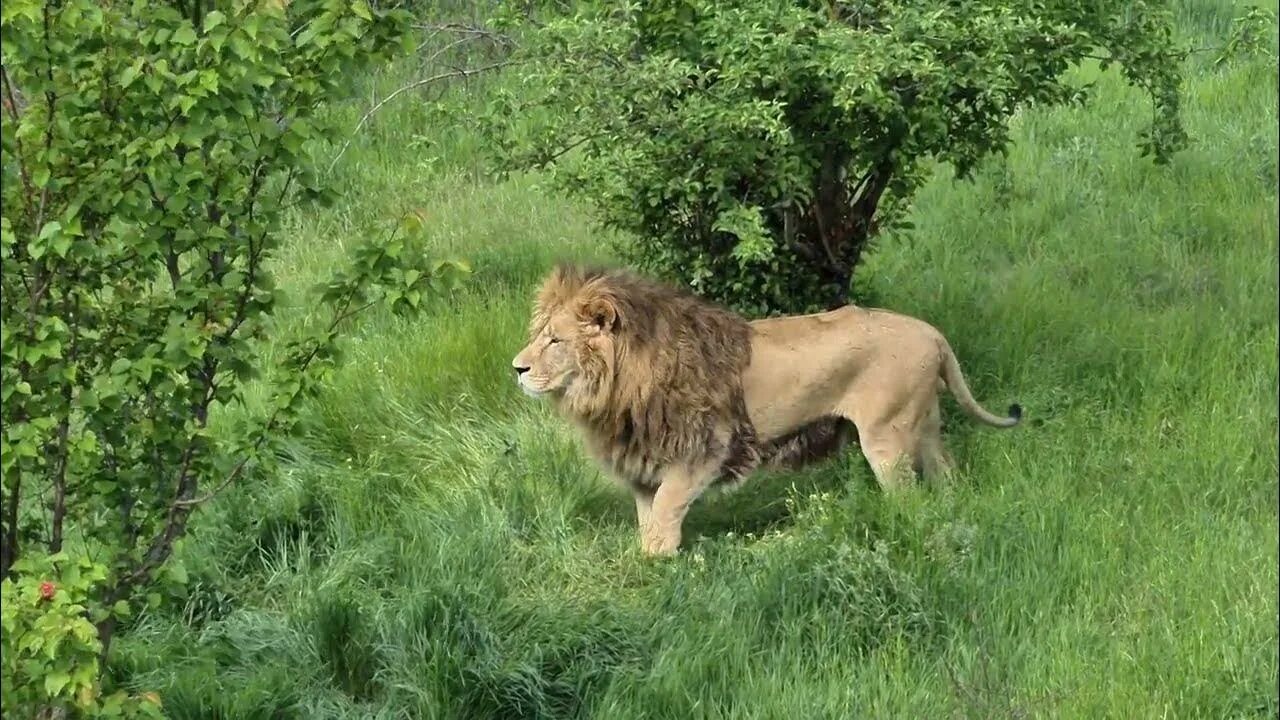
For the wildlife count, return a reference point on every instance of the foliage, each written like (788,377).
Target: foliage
(50,649)
(754,148)
(1252,33)
(490,572)
(149,151)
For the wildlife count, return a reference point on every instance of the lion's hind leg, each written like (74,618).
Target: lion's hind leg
(935,461)
(892,454)
(897,422)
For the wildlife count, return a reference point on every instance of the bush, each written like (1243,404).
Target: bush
(753,149)
(50,649)
(149,152)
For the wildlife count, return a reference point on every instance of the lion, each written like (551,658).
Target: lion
(674,394)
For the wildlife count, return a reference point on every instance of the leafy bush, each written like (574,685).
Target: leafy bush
(753,149)
(149,150)
(50,649)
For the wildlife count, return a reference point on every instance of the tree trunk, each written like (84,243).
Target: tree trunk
(840,222)
(9,539)
(106,632)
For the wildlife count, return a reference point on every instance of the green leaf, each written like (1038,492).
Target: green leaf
(213,19)
(131,73)
(412,222)
(54,682)
(184,35)
(51,228)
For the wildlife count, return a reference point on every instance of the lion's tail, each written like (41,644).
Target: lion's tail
(954,379)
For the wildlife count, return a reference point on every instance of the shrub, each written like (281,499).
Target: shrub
(753,149)
(149,150)
(49,648)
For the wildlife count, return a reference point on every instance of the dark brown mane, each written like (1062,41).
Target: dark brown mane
(669,388)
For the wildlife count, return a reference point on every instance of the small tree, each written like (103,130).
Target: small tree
(149,150)
(753,149)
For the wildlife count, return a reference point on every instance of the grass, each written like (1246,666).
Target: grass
(438,546)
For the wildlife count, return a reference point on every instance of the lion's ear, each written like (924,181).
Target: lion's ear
(599,311)
(565,274)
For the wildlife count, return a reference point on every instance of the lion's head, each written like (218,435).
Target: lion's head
(650,372)
(572,341)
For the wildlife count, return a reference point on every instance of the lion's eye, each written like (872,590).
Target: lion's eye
(553,340)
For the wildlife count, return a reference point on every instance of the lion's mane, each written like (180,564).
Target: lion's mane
(669,387)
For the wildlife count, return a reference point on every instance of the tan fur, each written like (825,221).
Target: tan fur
(674,394)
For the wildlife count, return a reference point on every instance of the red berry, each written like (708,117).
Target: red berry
(47,589)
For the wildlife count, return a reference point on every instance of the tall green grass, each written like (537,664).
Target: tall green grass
(439,547)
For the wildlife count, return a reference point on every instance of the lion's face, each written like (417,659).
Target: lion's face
(571,347)
(550,362)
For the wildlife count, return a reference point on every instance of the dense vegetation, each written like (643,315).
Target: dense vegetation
(433,544)
(149,152)
(754,149)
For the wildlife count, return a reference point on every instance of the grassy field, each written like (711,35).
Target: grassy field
(439,547)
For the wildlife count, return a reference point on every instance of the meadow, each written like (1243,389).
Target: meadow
(438,546)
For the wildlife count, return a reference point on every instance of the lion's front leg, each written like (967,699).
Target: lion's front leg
(644,508)
(677,491)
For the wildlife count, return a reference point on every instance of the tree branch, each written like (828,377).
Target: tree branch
(461,72)
(50,100)
(184,503)
(9,544)
(13,103)
(64,427)
(230,478)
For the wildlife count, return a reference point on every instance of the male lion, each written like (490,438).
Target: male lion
(674,394)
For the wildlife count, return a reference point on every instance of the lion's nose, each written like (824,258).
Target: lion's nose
(520,370)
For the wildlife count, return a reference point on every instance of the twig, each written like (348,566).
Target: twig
(441,50)
(552,157)
(463,29)
(461,72)
(14,104)
(1180,54)
(231,476)
(64,429)
(344,314)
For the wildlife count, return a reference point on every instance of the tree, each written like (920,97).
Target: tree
(149,150)
(753,149)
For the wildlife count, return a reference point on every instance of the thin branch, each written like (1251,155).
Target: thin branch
(230,478)
(471,31)
(827,198)
(463,72)
(450,27)
(1180,54)
(50,99)
(342,315)
(12,103)
(183,504)
(9,543)
(62,450)
(548,159)
(442,50)
(176,522)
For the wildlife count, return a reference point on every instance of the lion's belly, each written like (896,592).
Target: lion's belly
(796,375)
(782,407)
